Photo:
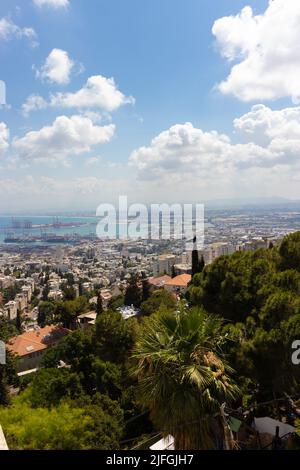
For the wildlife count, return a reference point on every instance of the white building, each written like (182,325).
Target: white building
(164,264)
(27,290)
(22,302)
(213,251)
(55,295)
(11,309)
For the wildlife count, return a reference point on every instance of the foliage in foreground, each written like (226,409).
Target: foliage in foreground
(64,427)
(183,377)
(258,295)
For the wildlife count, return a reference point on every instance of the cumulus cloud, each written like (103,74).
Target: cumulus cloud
(263,125)
(266,49)
(57,68)
(65,138)
(271,140)
(52,3)
(98,93)
(9,30)
(4,137)
(33,103)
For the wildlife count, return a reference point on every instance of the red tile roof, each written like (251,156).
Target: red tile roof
(33,341)
(159,281)
(180,281)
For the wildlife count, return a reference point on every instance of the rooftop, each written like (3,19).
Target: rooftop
(37,340)
(180,281)
(159,281)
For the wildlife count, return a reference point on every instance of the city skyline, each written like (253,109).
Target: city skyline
(162,102)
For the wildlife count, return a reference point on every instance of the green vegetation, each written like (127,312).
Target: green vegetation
(133,294)
(183,377)
(229,341)
(67,311)
(257,293)
(197,264)
(160,298)
(9,293)
(64,427)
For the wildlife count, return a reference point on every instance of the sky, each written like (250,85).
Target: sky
(159,100)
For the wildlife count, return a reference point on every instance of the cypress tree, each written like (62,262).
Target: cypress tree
(99,308)
(201,265)
(195,258)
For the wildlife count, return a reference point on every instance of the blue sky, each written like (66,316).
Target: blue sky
(163,54)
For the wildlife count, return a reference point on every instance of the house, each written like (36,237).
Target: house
(178,284)
(85,320)
(106,296)
(159,282)
(30,346)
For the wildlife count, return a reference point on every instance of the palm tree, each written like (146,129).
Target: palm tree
(182,376)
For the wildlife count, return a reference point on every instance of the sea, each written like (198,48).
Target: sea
(46,226)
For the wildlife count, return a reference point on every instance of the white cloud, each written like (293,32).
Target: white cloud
(4,137)
(33,103)
(57,68)
(267,50)
(185,152)
(99,92)
(65,138)
(263,125)
(52,3)
(9,30)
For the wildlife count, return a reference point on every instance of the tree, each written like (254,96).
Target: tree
(197,265)
(92,358)
(7,329)
(9,293)
(68,310)
(290,251)
(69,292)
(183,377)
(99,306)
(146,290)
(114,337)
(46,313)
(4,396)
(45,293)
(159,298)
(201,264)
(133,294)
(116,302)
(50,386)
(64,427)
(8,376)
(19,321)
(195,258)
(80,288)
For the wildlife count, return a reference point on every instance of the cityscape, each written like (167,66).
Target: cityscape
(149,230)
